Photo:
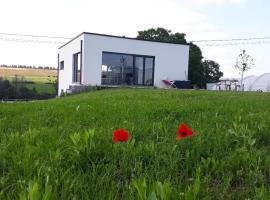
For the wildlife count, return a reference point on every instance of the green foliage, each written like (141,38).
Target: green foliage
(198,72)
(195,70)
(19,89)
(154,192)
(211,72)
(42,84)
(62,148)
(193,190)
(28,67)
(162,35)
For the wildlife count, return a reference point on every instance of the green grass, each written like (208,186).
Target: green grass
(40,83)
(42,88)
(62,148)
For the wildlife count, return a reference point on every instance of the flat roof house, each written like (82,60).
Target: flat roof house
(97,59)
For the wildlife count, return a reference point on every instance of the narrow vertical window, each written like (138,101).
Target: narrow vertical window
(139,71)
(77,68)
(149,67)
(62,65)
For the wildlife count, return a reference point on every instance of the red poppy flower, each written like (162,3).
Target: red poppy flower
(183,132)
(120,136)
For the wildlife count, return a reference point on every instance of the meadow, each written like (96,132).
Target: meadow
(62,148)
(40,79)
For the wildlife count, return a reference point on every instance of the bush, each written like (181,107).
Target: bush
(16,89)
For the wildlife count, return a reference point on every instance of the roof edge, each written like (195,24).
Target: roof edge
(71,40)
(121,37)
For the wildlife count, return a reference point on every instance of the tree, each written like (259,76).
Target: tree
(162,35)
(211,71)
(195,69)
(243,63)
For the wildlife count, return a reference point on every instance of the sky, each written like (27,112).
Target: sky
(198,19)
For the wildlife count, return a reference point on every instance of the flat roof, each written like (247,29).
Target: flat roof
(122,37)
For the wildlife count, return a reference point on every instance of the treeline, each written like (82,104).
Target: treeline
(16,89)
(28,67)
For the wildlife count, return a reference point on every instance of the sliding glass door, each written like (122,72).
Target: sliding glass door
(139,70)
(76,76)
(127,69)
(148,71)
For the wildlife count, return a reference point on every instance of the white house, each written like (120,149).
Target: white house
(97,59)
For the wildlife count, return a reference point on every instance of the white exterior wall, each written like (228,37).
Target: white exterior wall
(171,60)
(66,55)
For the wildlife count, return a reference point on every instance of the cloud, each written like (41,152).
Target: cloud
(219,1)
(119,17)
(212,2)
(69,18)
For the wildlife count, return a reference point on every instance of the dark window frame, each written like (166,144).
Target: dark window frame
(75,71)
(134,57)
(62,65)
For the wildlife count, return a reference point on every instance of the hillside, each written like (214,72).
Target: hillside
(4,71)
(41,79)
(63,149)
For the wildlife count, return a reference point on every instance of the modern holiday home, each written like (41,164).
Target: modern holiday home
(106,60)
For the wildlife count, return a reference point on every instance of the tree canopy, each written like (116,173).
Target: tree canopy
(162,35)
(196,71)
(211,71)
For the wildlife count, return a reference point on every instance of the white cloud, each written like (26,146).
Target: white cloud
(69,18)
(119,17)
(220,1)
(217,2)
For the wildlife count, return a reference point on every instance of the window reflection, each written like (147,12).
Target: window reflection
(149,63)
(76,68)
(123,69)
(117,69)
(139,70)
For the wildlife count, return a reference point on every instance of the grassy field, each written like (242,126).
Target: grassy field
(62,148)
(41,78)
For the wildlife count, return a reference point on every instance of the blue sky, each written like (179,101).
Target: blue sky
(240,20)
(247,19)
(199,19)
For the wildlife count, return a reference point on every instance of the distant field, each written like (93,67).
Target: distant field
(27,72)
(41,77)
(62,148)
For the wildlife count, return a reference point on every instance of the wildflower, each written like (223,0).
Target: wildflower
(183,132)
(120,135)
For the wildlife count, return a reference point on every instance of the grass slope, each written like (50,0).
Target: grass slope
(41,78)
(62,148)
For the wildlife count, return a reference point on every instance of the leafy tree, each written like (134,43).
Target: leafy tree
(162,35)
(16,89)
(243,63)
(211,71)
(195,70)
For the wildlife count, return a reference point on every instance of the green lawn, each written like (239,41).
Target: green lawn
(42,88)
(62,148)
(40,83)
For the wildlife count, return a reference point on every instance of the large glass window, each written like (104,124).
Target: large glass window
(117,69)
(127,69)
(148,77)
(138,71)
(76,68)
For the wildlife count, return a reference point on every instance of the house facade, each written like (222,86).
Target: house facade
(97,59)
